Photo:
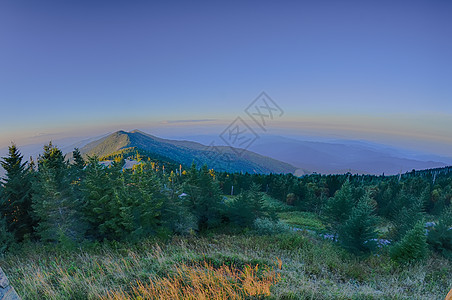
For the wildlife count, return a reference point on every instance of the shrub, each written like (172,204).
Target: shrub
(6,238)
(440,236)
(412,247)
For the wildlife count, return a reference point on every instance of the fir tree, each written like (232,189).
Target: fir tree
(358,234)
(339,207)
(248,206)
(440,236)
(6,237)
(412,247)
(55,206)
(16,200)
(141,212)
(102,199)
(204,197)
(79,162)
(407,216)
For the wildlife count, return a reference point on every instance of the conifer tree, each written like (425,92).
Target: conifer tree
(440,236)
(412,247)
(16,200)
(142,209)
(79,162)
(6,237)
(56,207)
(248,206)
(241,210)
(358,234)
(339,207)
(407,216)
(204,197)
(102,200)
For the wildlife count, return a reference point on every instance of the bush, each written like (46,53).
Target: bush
(412,247)
(292,241)
(440,236)
(6,238)
(265,226)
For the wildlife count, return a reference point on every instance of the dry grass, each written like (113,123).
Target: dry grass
(203,282)
(232,267)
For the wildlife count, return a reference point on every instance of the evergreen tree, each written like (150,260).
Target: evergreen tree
(407,216)
(16,200)
(102,198)
(412,247)
(55,205)
(204,196)
(79,162)
(339,207)
(440,236)
(142,209)
(248,206)
(241,210)
(358,234)
(6,237)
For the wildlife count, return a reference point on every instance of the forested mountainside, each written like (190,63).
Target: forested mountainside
(184,152)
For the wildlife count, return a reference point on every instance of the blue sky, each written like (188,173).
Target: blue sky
(356,69)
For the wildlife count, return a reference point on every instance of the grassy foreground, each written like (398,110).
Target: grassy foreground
(218,266)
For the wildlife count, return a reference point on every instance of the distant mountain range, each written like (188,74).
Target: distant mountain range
(275,154)
(222,158)
(339,156)
(343,156)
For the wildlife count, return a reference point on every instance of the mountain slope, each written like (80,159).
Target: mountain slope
(186,152)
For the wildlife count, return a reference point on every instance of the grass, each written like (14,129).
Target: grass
(275,205)
(203,282)
(284,266)
(304,220)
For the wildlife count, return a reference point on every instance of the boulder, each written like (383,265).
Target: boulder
(7,292)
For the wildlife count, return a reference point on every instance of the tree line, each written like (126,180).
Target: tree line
(55,201)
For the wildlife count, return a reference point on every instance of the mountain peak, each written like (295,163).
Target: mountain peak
(184,152)
(119,132)
(137,131)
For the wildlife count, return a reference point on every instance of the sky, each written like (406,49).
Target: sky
(374,70)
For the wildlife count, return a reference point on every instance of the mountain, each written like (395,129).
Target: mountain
(342,156)
(222,159)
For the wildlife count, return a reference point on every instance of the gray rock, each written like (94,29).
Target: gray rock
(7,292)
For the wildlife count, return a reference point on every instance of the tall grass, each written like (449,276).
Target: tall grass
(202,282)
(237,266)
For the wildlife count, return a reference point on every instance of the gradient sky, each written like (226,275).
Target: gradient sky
(376,70)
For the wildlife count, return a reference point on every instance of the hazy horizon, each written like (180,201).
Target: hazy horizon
(378,72)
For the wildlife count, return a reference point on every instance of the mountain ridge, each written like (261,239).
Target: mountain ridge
(186,152)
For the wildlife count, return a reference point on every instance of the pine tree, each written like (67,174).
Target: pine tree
(55,205)
(248,206)
(241,210)
(407,216)
(440,236)
(339,207)
(79,162)
(142,210)
(16,200)
(204,197)
(102,199)
(412,247)
(358,234)
(6,237)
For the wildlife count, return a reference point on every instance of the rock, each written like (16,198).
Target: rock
(7,292)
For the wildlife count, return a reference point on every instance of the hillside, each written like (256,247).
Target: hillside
(185,152)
